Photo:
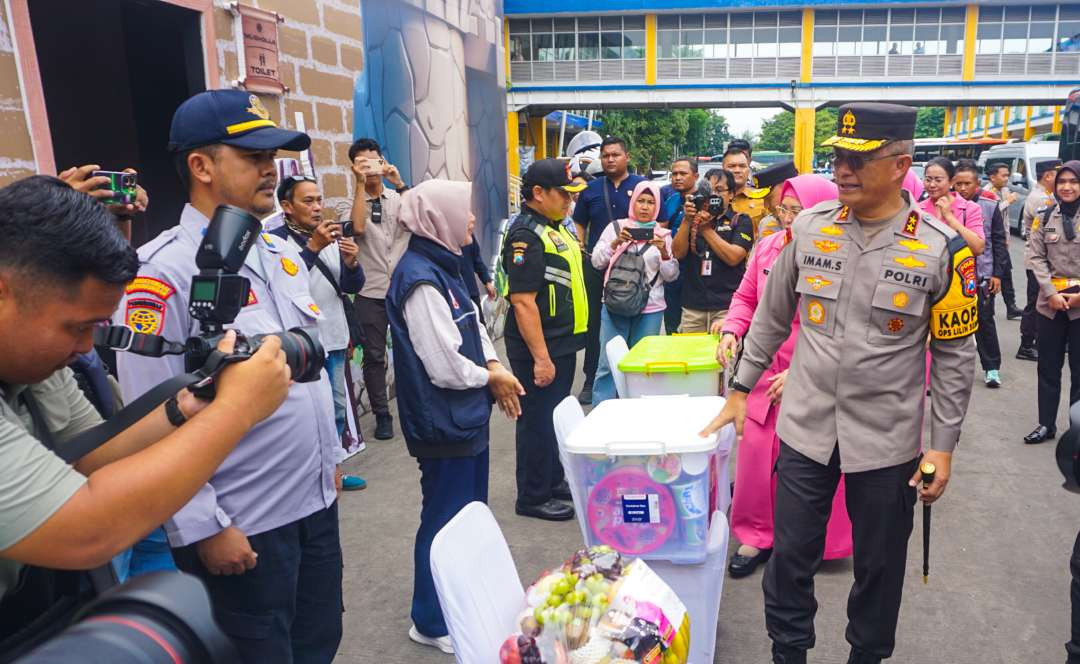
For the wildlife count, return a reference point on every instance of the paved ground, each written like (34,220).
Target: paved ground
(998,590)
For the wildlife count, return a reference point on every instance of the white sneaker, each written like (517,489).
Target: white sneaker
(441,642)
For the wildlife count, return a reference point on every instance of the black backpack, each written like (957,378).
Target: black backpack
(626,292)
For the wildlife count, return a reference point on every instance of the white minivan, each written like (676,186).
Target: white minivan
(1021,158)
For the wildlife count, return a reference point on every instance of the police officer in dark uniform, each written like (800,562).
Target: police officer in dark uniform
(545,328)
(871,277)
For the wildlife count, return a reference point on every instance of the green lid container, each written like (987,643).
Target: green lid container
(678,353)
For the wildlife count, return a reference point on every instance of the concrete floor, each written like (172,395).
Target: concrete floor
(1002,536)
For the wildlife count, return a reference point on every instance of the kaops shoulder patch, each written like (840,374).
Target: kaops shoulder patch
(956,314)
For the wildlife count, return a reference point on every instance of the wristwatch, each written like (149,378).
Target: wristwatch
(402,189)
(172,411)
(737,386)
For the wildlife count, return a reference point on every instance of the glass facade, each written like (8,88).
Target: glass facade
(848,44)
(1040,40)
(729,46)
(575,49)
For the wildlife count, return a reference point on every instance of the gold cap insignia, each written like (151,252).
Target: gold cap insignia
(848,122)
(257,109)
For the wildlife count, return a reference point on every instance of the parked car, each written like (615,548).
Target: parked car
(1021,158)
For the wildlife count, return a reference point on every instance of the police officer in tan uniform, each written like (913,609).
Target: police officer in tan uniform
(745,200)
(871,277)
(1039,198)
(769,181)
(1053,257)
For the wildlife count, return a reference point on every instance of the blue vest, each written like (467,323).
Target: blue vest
(435,421)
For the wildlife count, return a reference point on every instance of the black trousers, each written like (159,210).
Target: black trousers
(374,328)
(1008,291)
(1072,648)
(881,506)
(1028,328)
(288,607)
(986,334)
(1057,336)
(538,466)
(594,286)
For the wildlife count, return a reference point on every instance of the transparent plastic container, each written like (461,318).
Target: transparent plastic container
(674,364)
(644,481)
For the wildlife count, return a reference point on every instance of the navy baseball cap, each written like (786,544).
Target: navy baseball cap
(230,117)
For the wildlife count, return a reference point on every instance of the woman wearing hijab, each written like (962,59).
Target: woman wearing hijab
(1053,255)
(660,268)
(963,216)
(447,374)
(755,486)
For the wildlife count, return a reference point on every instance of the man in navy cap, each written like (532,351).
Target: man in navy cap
(262,534)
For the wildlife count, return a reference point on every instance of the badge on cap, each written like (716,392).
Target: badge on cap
(257,109)
(848,122)
(290,267)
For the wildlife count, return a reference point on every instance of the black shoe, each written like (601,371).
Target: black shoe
(1028,353)
(561,491)
(585,396)
(1013,313)
(552,510)
(741,566)
(859,657)
(1041,434)
(384,426)
(784,655)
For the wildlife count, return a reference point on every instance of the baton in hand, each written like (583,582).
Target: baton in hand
(927,469)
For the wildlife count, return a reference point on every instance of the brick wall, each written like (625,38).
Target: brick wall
(16,151)
(320,59)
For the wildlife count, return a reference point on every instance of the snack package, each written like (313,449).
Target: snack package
(600,608)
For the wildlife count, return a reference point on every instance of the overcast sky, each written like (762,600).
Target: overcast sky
(741,119)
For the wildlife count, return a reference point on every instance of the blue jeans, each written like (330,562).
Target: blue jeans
(335,369)
(287,609)
(447,485)
(631,328)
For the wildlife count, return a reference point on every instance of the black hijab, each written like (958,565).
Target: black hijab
(1068,210)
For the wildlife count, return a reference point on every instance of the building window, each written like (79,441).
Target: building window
(581,39)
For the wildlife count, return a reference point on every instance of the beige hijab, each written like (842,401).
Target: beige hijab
(438,210)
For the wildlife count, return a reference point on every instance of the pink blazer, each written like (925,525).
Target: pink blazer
(741,312)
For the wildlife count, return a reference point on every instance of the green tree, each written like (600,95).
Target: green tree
(930,121)
(778,132)
(654,135)
(707,133)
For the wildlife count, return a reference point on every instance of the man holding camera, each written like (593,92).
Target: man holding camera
(713,243)
(63,268)
(263,533)
(330,255)
(382,241)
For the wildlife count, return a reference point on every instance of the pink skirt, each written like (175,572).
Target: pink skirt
(755,493)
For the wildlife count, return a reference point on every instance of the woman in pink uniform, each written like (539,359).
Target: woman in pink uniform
(755,483)
(962,215)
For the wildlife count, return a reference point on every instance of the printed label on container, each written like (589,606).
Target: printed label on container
(641,508)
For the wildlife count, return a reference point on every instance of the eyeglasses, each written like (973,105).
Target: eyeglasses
(857,161)
(782,209)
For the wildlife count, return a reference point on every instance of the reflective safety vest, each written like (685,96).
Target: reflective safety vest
(564,307)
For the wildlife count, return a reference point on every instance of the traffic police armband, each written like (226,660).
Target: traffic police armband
(956,314)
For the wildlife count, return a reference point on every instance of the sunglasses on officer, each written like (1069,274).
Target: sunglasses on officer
(285,189)
(857,161)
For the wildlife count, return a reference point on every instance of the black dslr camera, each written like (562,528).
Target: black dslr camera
(713,203)
(217,295)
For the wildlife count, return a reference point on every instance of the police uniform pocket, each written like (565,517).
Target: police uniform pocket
(245,626)
(818,304)
(309,310)
(896,313)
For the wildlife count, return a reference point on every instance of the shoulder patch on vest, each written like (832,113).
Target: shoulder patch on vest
(956,314)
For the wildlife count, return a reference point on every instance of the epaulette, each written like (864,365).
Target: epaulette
(151,248)
(940,226)
(825,206)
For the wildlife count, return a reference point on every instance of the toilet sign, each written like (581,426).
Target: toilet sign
(257,49)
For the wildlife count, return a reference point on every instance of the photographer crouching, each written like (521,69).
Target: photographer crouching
(63,269)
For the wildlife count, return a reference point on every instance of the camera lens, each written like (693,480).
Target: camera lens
(161,617)
(303,351)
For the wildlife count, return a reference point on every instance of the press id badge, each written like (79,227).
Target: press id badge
(706,267)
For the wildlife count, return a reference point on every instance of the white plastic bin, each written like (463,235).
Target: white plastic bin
(675,364)
(700,588)
(644,482)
